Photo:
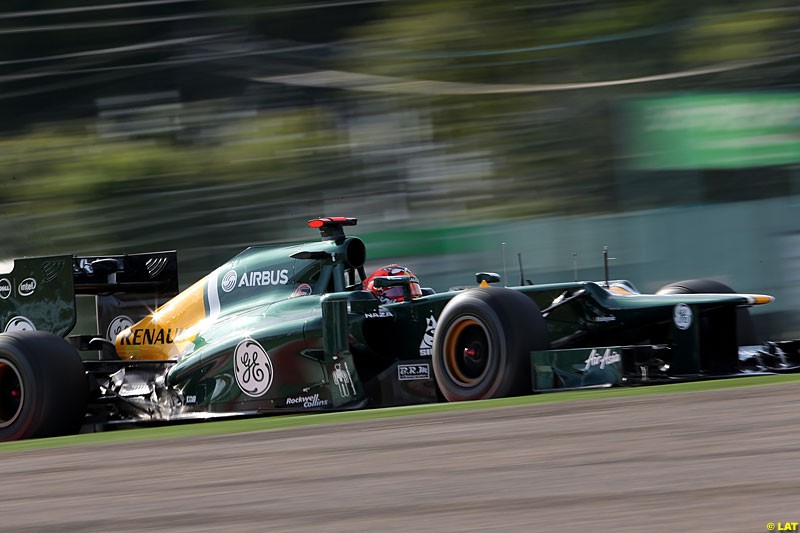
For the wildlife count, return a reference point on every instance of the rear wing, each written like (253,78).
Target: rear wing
(129,273)
(40,292)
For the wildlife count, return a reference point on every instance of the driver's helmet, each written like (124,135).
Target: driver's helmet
(392,294)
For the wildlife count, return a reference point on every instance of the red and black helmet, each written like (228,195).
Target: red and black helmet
(396,293)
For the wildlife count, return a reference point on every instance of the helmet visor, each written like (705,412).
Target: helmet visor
(397,294)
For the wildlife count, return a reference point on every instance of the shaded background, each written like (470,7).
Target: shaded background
(668,131)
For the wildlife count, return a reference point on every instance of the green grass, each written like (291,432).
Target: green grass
(226,427)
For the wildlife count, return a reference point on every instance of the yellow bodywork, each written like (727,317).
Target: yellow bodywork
(167,332)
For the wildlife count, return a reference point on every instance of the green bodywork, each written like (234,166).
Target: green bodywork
(323,335)
(697,330)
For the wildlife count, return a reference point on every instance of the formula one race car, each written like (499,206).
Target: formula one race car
(290,328)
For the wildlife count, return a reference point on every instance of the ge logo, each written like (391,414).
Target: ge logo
(682,316)
(252,367)
(229,281)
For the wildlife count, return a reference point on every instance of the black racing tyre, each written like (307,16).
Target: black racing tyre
(745,331)
(43,387)
(482,344)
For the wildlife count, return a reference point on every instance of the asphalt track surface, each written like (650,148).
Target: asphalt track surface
(725,460)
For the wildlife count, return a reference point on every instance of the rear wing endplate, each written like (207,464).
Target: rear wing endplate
(38,294)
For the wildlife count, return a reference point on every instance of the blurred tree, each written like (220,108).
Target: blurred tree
(65,188)
(552,151)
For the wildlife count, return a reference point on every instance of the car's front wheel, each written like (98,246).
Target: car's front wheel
(482,344)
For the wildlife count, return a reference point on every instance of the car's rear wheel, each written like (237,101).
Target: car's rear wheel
(43,390)
(745,330)
(482,344)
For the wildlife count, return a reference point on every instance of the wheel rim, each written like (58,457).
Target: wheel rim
(467,351)
(12,393)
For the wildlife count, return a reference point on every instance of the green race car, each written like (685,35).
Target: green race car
(293,328)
